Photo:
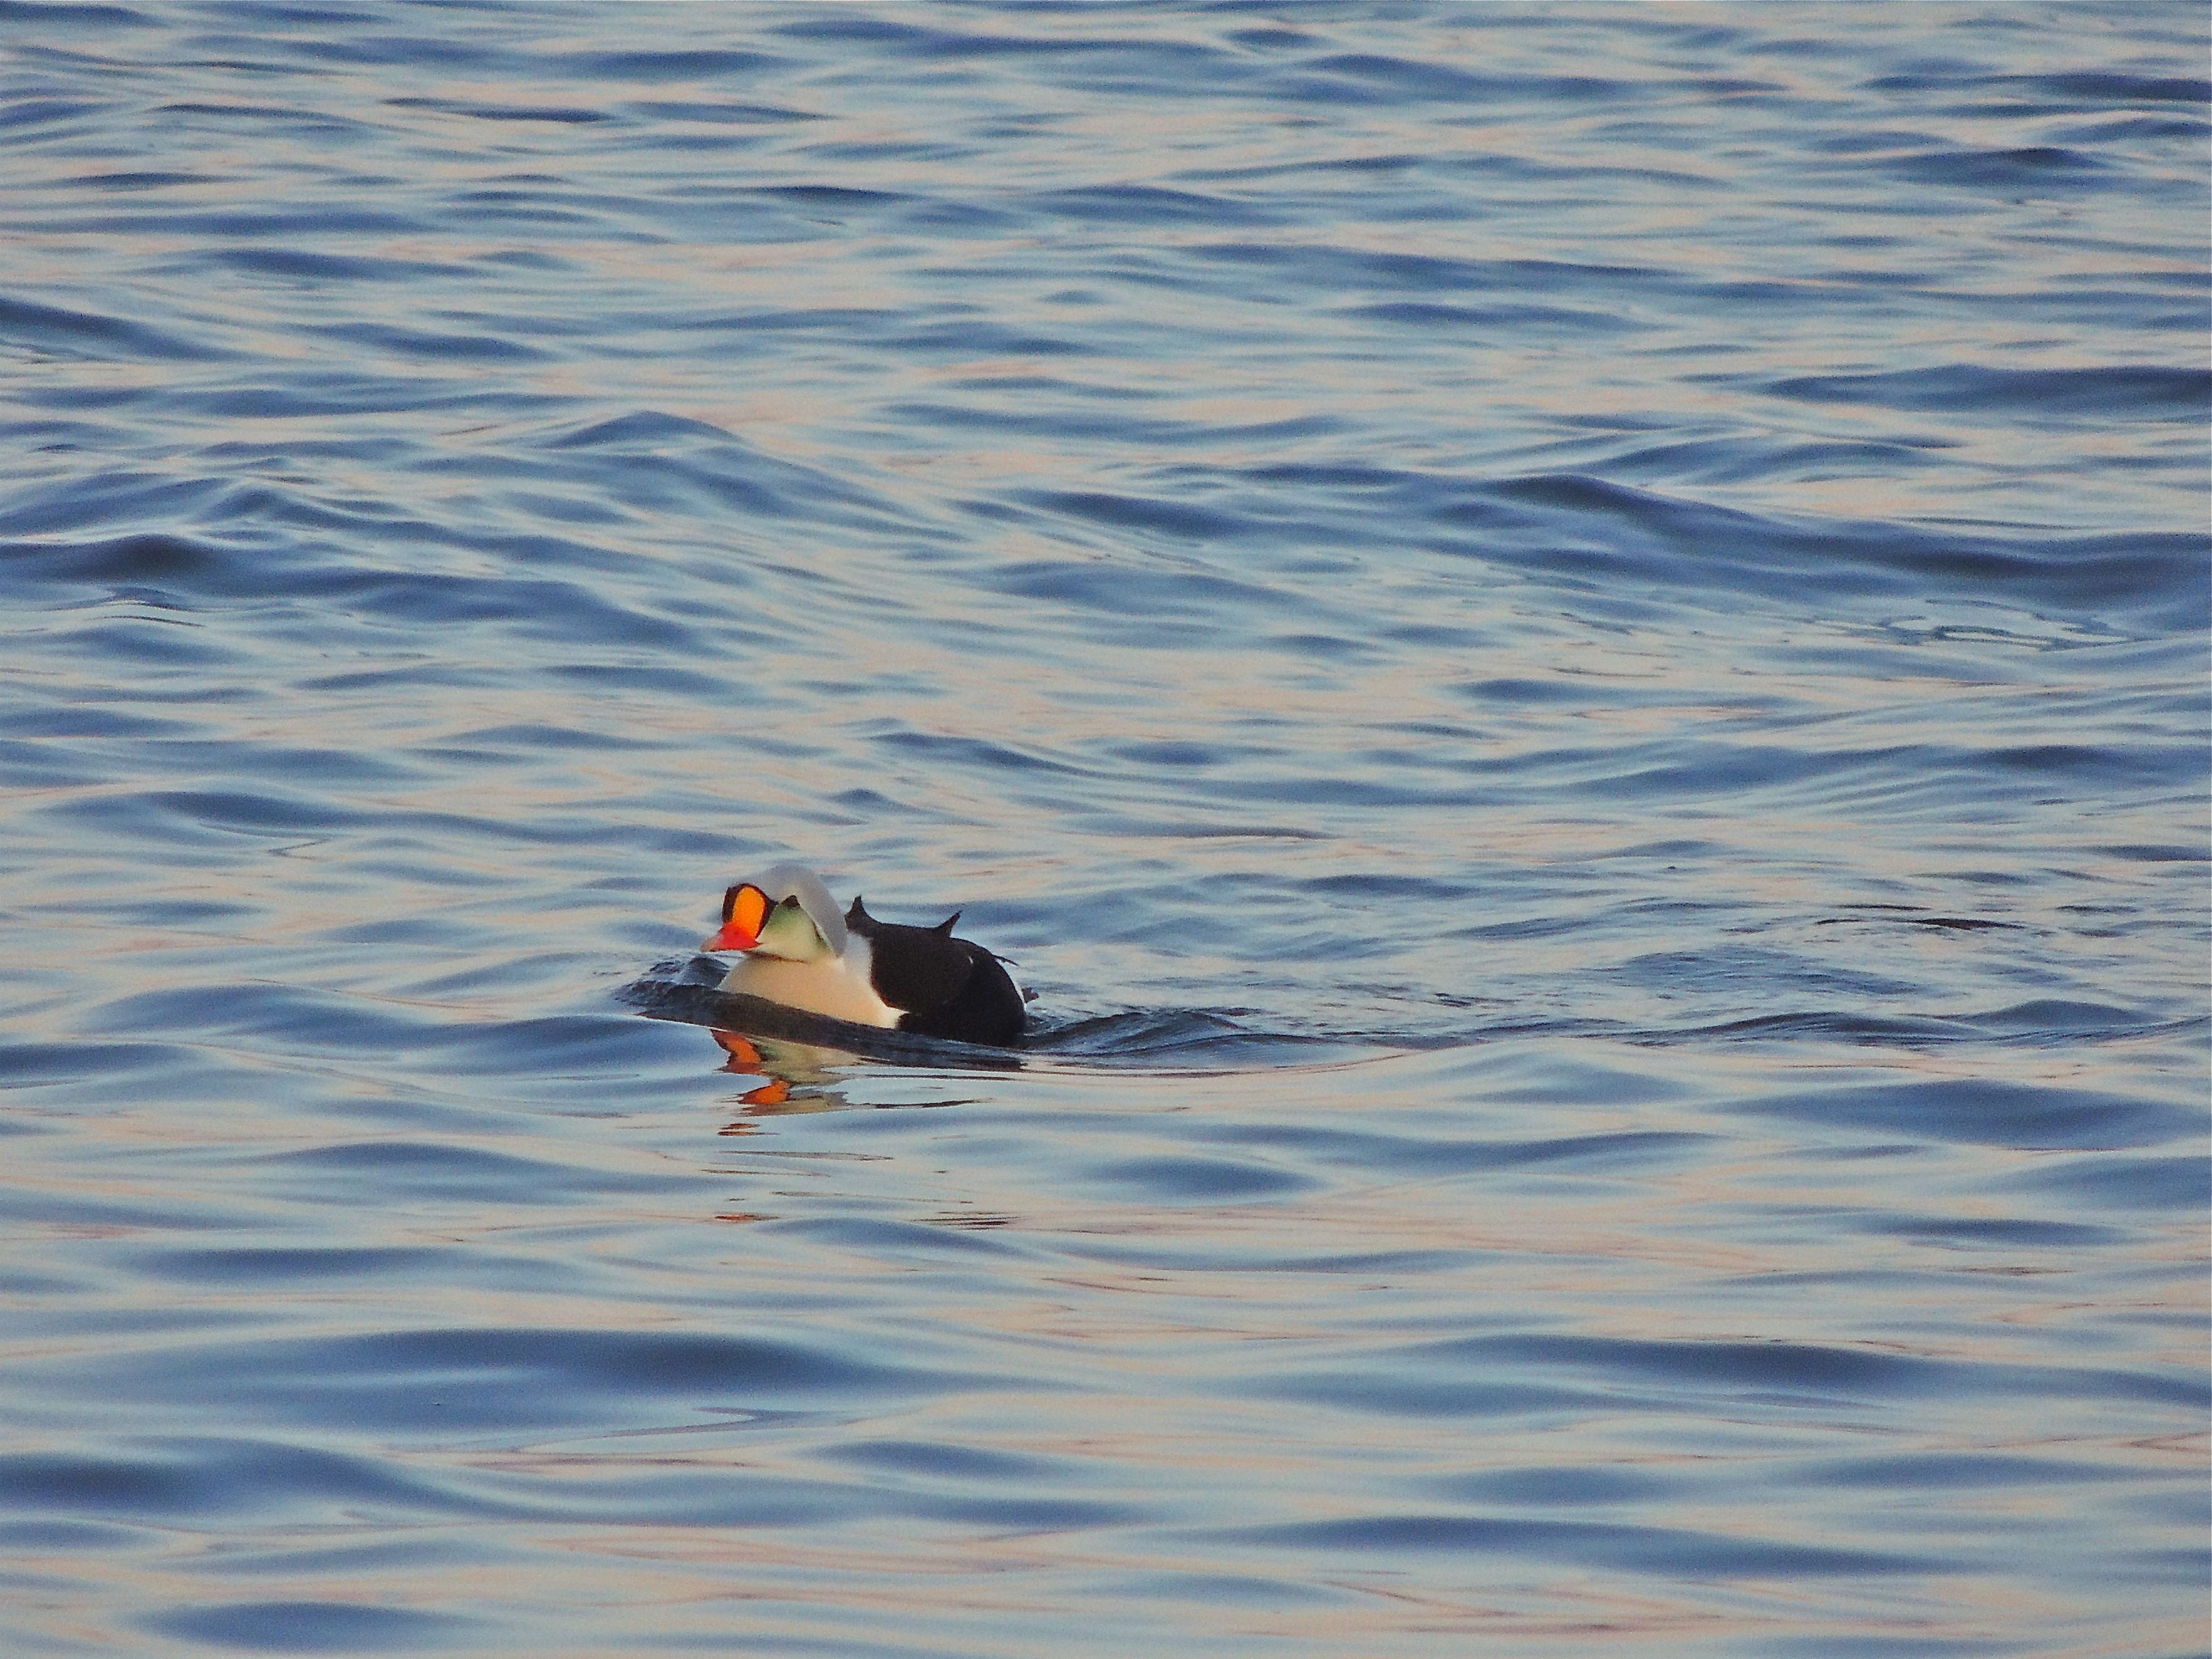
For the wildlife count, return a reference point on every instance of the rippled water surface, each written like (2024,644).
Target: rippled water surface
(1569,644)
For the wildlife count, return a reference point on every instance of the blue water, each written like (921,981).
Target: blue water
(1569,645)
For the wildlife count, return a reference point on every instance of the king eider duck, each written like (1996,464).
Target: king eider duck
(801,953)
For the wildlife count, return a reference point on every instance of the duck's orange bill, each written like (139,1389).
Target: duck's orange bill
(745,906)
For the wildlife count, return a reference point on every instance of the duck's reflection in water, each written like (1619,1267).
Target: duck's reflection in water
(810,1062)
(800,1072)
(799,1075)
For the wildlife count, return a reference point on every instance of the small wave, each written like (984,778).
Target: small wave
(2028,168)
(1180,1035)
(1904,916)
(94,334)
(2133,391)
(1988,1112)
(338,1626)
(183,574)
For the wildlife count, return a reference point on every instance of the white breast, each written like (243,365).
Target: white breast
(835,985)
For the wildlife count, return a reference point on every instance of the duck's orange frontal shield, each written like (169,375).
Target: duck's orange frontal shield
(745,906)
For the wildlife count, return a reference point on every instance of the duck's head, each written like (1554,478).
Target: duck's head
(786,912)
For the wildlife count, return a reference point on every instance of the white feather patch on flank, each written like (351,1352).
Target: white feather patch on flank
(836,986)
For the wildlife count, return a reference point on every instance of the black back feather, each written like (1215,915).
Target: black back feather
(945,986)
